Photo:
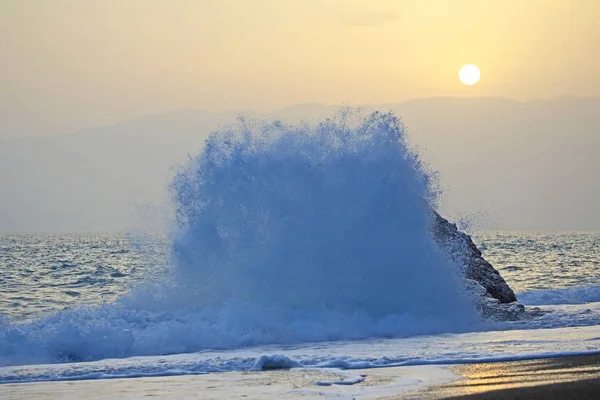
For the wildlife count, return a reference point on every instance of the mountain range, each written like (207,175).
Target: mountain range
(502,164)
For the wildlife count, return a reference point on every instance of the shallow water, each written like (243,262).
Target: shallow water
(346,355)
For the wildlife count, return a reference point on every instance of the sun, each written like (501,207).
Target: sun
(469,74)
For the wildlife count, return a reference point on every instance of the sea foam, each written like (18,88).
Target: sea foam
(573,295)
(284,233)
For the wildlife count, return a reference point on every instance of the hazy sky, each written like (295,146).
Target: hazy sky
(70,64)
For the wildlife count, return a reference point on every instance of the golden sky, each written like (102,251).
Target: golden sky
(67,64)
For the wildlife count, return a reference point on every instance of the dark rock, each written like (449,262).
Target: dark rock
(459,247)
(492,308)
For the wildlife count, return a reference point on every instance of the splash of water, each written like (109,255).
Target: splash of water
(334,216)
(284,233)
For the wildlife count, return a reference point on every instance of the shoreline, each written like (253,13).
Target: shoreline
(542,378)
(299,383)
(576,377)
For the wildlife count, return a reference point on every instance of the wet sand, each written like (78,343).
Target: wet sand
(548,379)
(217,386)
(552,378)
(249,385)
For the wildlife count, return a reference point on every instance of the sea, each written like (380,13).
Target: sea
(290,245)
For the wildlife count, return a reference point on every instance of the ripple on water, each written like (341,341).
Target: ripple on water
(47,273)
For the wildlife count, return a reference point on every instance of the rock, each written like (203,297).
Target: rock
(492,308)
(276,361)
(459,247)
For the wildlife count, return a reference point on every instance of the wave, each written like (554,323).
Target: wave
(284,234)
(574,295)
(463,348)
(262,363)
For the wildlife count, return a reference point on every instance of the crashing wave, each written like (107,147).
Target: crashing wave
(284,233)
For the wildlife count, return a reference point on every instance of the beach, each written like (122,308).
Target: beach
(552,378)
(280,384)
(563,377)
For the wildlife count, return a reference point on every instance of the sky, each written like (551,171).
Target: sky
(142,82)
(66,65)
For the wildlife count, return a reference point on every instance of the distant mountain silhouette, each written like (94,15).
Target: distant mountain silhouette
(523,165)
